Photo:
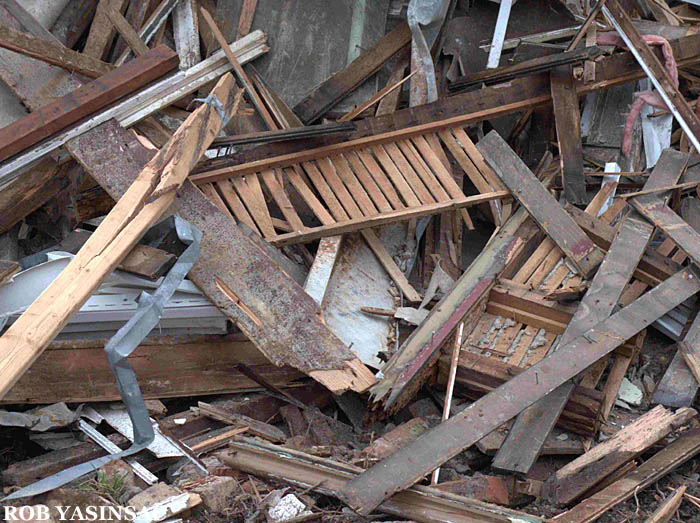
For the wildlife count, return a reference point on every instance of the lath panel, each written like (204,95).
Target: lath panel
(354,185)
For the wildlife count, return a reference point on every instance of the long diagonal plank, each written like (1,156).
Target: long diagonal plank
(541,205)
(524,443)
(419,458)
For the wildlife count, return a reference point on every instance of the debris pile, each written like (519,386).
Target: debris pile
(272,260)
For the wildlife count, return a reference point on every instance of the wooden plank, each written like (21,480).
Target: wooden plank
(52,53)
(148,262)
(336,184)
(75,371)
(82,102)
(7,270)
(344,81)
(342,168)
(448,439)
(546,211)
(289,329)
(186,33)
(368,182)
(415,162)
(524,443)
(656,467)
(572,481)
(123,27)
(308,196)
(396,177)
(245,20)
(328,477)
(356,224)
(214,197)
(380,178)
(409,174)
(102,31)
(255,203)
(145,202)
(335,207)
(136,15)
(567,117)
(237,207)
(280,197)
(678,386)
(152,26)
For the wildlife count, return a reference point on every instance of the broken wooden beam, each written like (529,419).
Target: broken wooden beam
(567,118)
(656,467)
(52,52)
(541,205)
(530,430)
(67,110)
(448,439)
(316,104)
(145,201)
(571,482)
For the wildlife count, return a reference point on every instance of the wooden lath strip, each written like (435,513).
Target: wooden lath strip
(325,191)
(336,184)
(236,205)
(282,200)
(405,168)
(255,203)
(395,176)
(214,197)
(353,185)
(368,182)
(477,158)
(423,171)
(295,178)
(378,176)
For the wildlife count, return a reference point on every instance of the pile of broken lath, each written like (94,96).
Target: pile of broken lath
(424,281)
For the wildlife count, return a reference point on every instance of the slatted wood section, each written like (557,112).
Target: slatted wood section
(355,185)
(522,336)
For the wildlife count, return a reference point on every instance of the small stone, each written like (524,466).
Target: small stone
(216,492)
(630,393)
(152,495)
(287,508)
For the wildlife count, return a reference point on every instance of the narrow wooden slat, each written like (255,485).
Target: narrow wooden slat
(331,176)
(308,196)
(478,159)
(436,165)
(249,199)
(342,168)
(382,181)
(523,345)
(355,224)
(236,205)
(325,191)
(214,197)
(280,197)
(397,179)
(419,165)
(428,193)
(260,202)
(533,262)
(464,161)
(368,182)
